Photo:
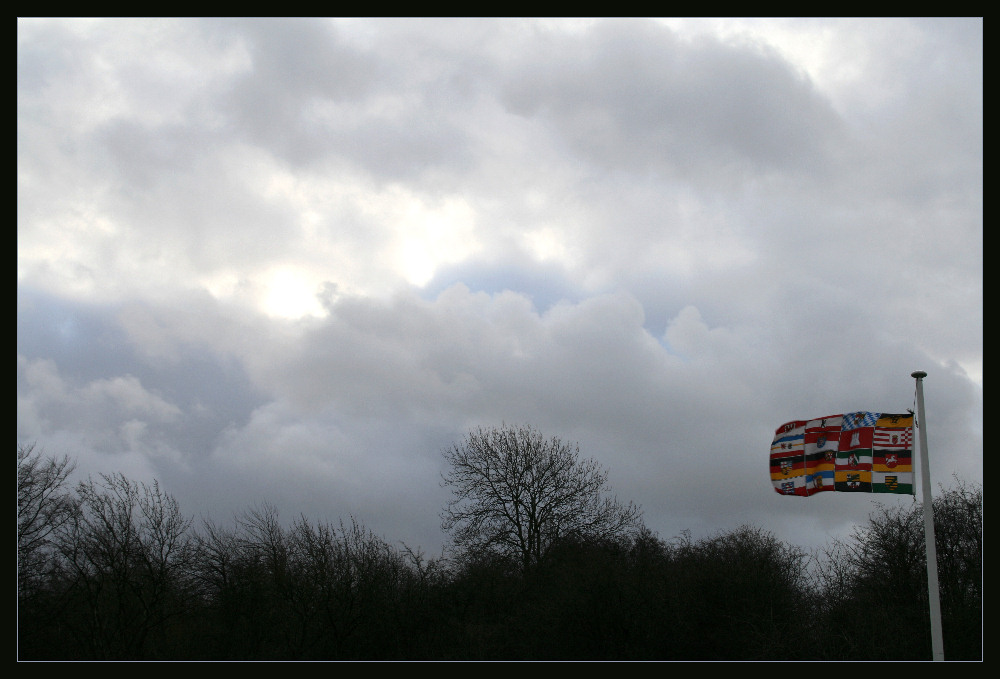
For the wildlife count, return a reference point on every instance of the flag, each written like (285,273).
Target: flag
(857,452)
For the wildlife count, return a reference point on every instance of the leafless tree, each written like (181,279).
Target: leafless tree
(885,559)
(127,552)
(44,505)
(516,494)
(308,590)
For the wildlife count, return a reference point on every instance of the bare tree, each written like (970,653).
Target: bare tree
(127,551)
(885,561)
(516,494)
(306,591)
(44,505)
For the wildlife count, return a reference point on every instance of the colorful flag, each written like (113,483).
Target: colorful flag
(857,452)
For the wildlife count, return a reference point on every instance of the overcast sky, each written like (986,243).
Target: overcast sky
(292,261)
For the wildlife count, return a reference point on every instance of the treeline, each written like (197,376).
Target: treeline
(113,570)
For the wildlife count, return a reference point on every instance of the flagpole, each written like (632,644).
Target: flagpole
(937,641)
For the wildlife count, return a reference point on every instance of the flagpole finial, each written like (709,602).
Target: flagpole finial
(918,374)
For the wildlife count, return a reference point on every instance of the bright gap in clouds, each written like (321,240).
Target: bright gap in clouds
(428,236)
(423,237)
(290,293)
(287,292)
(974,369)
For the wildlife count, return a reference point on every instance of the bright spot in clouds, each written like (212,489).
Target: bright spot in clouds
(291,294)
(428,236)
(291,260)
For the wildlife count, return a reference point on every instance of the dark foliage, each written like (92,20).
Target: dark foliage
(874,594)
(113,570)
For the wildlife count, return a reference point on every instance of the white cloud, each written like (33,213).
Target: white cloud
(293,260)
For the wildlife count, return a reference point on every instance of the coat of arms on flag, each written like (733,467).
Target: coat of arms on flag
(857,452)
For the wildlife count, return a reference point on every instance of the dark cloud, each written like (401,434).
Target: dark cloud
(636,96)
(661,243)
(310,97)
(101,380)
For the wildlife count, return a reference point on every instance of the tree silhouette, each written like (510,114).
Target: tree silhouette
(516,494)
(126,558)
(44,505)
(884,561)
(552,569)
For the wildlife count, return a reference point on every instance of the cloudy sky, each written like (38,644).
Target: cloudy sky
(292,261)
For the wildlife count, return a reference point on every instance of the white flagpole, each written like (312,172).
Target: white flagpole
(937,640)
